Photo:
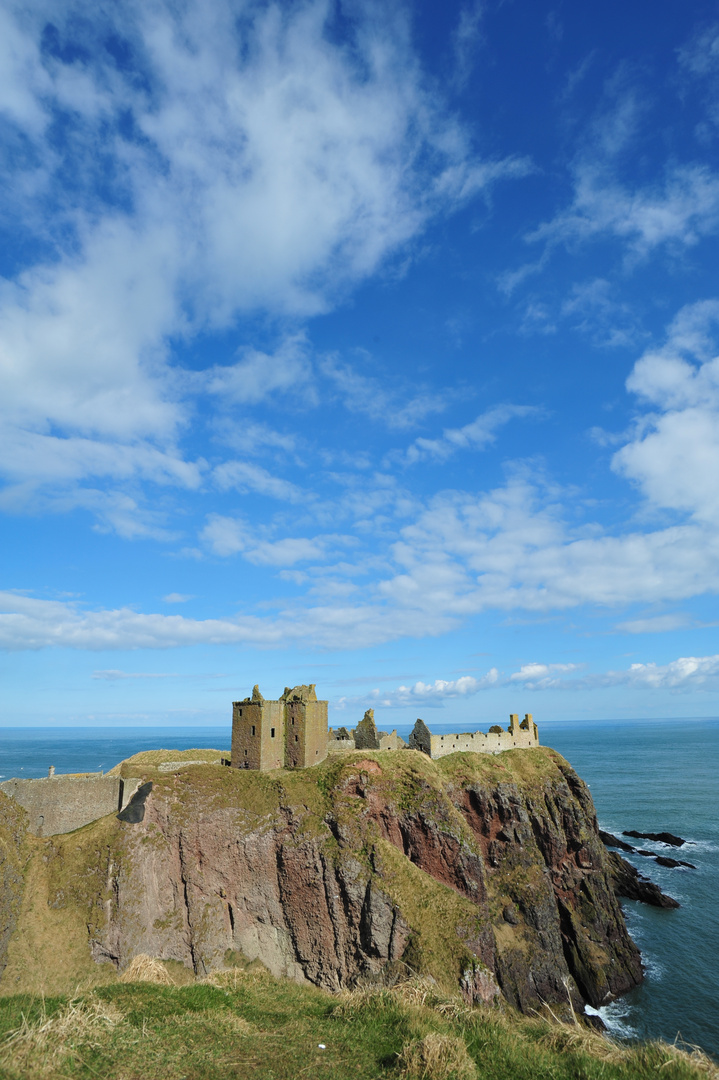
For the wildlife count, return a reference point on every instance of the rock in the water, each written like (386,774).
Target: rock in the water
(662,837)
(664,860)
(630,883)
(609,840)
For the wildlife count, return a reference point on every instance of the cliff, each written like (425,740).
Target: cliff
(13,829)
(484,872)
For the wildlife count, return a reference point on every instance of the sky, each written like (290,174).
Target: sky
(368,344)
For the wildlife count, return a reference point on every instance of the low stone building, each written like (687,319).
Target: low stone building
(518,735)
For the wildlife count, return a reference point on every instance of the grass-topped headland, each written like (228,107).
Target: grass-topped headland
(336,874)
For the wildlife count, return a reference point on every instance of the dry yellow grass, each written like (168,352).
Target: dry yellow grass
(437,1057)
(37,1049)
(143,968)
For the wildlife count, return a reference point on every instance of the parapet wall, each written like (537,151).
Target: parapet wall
(517,737)
(60,804)
(479,743)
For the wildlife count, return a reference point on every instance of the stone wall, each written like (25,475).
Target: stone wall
(60,804)
(517,736)
(479,743)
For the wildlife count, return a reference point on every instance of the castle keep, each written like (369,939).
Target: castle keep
(287,734)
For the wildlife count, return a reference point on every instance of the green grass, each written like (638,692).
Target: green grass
(248,1024)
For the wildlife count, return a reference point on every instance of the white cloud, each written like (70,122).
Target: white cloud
(510,548)
(674,456)
(531,676)
(477,435)
(28,623)
(177,598)
(686,673)
(429,693)
(541,676)
(252,165)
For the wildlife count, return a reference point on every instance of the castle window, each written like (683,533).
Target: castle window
(253,729)
(245,753)
(297,738)
(272,733)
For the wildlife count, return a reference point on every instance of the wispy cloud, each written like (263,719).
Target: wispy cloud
(371,396)
(655,624)
(681,209)
(245,476)
(477,435)
(226,536)
(113,675)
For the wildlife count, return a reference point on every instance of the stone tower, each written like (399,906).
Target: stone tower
(305,727)
(290,733)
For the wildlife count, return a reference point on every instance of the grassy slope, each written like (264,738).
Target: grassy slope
(250,1025)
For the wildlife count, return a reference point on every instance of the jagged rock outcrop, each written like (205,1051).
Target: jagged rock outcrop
(628,882)
(485,872)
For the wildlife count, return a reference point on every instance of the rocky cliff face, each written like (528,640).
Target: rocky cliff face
(487,872)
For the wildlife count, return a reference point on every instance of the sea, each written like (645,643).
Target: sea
(649,775)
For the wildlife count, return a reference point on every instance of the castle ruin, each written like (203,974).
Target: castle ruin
(292,733)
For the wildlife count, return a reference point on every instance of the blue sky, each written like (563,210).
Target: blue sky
(365,344)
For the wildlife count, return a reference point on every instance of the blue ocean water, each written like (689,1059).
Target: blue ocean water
(654,776)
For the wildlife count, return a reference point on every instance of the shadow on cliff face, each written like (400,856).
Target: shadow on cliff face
(134,812)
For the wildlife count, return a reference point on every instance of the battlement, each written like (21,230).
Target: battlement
(524,735)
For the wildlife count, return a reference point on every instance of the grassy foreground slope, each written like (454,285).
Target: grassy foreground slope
(249,1024)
